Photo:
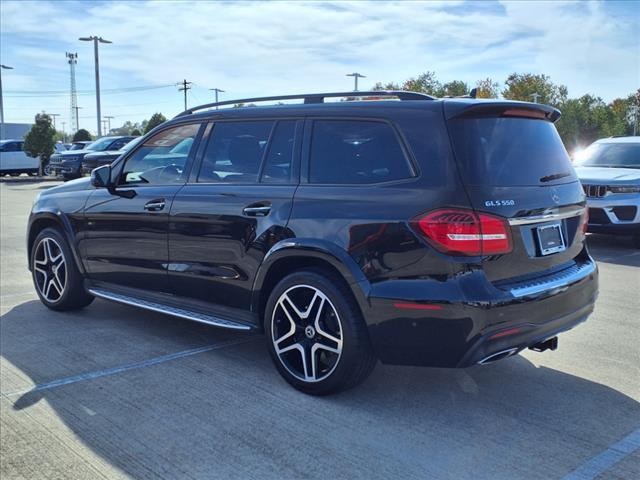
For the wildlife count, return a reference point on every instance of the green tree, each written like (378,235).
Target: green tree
(424,83)
(40,140)
(522,86)
(386,86)
(456,88)
(136,132)
(487,88)
(81,135)
(155,120)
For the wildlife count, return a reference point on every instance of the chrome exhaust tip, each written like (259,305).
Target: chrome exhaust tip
(494,357)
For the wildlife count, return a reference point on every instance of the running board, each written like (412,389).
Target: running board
(174,311)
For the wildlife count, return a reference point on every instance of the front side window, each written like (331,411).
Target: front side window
(158,160)
(356,152)
(235,152)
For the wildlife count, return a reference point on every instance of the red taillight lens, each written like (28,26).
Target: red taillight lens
(585,221)
(465,232)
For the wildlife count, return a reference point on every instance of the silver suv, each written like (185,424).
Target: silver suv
(609,170)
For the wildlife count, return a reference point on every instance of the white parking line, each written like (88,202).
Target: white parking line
(605,460)
(124,368)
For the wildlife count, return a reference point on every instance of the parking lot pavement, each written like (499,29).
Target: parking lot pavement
(116,392)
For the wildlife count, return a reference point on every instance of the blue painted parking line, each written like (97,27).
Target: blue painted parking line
(125,368)
(605,460)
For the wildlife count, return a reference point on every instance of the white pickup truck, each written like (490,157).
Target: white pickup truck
(14,161)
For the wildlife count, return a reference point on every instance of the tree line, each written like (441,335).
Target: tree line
(584,119)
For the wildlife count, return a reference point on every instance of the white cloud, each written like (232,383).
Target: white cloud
(252,48)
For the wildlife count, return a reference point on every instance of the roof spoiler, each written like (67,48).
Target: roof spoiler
(505,108)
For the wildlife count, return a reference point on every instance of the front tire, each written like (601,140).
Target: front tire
(57,280)
(316,335)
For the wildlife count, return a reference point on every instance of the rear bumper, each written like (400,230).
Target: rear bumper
(467,319)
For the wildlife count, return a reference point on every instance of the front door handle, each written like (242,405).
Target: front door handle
(261,211)
(154,205)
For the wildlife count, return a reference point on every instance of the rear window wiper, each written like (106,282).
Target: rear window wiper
(555,176)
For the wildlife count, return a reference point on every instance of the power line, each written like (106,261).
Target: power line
(56,93)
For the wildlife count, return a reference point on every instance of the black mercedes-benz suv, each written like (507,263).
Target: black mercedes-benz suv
(397,227)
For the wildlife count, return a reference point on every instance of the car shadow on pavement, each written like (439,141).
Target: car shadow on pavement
(227,413)
(617,249)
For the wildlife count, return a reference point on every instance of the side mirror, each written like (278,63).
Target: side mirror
(101,177)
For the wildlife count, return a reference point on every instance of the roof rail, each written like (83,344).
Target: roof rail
(316,98)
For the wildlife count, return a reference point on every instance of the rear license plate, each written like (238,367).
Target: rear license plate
(550,239)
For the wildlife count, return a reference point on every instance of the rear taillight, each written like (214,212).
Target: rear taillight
(465,232)
(585,221)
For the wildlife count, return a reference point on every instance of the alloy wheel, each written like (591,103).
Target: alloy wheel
(306,333)
(50,269)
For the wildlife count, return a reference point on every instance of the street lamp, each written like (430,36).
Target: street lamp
(535,97)
(95,41)
(2,67)
(217,90)
(355,76)
(53,117)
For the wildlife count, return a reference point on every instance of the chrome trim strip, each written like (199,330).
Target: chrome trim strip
(561,280)
(546,217)
(176,312)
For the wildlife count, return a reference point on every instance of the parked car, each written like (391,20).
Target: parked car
(79,145)
(97,159)
(69,164)
(437,232)
(15,161)
(609,170)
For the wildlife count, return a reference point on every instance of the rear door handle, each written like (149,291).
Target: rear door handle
(154,205)
(261,211)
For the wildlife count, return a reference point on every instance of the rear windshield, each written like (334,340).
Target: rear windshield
(622,155)
(510,151)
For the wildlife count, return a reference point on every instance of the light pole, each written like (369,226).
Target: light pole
(95,41)
(535,97)
(217,90)
(355,76)
(76,108)
(2,67)
(64,134)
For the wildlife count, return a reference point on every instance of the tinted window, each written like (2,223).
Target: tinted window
(348,151)
(234,152)
(100,145)
(11,147)
(156,161)
(118,144)
(279,161)
(610,155)
(510,151)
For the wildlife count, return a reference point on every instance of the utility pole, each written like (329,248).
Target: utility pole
(184,88)
(76,108)
(73,60)
(108,118)
(535,97)
(104,126)
(53,116)
(635,109)
(355,76)
(217,90)
(64,134)
(95,41)
(2,67)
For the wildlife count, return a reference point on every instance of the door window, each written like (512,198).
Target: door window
(235,152)
(279,161)
(356,152)
(162,158)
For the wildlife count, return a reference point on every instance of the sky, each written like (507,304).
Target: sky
(276,48)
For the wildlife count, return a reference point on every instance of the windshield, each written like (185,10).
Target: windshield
(131,144)
(101,144)
(622,155)
(510,151)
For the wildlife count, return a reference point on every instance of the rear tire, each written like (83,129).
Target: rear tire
(57,280)
(316,335)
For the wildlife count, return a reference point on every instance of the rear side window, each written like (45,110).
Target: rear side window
(235,152)
(510,151)
(356,152)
